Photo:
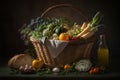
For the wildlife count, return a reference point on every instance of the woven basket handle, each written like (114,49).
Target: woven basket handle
(64,5)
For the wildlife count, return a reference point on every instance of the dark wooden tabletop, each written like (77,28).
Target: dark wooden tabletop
(6,73)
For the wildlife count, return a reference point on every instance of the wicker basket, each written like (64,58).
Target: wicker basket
(74,50)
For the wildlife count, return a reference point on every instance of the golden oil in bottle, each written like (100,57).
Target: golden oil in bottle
(103,52)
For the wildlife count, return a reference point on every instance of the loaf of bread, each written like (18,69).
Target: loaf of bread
(20,60)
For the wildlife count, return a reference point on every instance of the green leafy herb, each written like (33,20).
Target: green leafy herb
(44,71)
(96,19)
(94,23)
(14,71)
(43,27)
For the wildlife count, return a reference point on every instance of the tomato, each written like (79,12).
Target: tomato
(74,38)
(94,70)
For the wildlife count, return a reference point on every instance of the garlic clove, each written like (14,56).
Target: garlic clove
(56,69)
(21,68)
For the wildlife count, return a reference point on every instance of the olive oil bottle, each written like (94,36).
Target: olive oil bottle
(103,51)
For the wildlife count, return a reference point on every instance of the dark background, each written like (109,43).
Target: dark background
(14,13)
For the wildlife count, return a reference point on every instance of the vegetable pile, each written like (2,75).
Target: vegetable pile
(52,28)
(44,27)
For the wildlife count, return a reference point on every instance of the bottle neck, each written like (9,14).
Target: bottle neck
(102,43)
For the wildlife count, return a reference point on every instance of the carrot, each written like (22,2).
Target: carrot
(84,31)
(90,28)
(84,25)
(88,34)
(89,31)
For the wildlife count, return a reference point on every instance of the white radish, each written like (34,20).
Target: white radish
(88,34)
(87,29)
(92,26)
(84,25)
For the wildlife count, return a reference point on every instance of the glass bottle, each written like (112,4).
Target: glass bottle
(103,51)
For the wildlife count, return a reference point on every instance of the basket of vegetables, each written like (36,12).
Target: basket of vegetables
(59,37)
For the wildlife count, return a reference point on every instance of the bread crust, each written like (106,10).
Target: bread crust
(20,60)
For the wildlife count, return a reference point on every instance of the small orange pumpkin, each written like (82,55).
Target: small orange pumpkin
(67,66)
(64,36)
(37,63)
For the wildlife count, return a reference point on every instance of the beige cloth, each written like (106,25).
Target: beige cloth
(55,47)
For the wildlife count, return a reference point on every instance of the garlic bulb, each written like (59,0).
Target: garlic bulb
(83,65)
(56,69)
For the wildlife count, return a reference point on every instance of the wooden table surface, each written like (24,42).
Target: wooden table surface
(6,73)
